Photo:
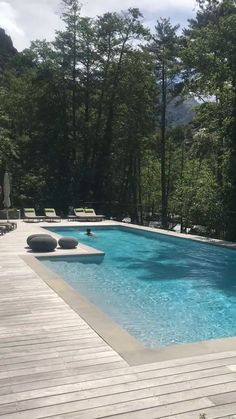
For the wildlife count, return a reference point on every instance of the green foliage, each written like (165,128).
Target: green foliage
(8,147)
(86,117)
(151,175)
(196,195)
(209,58)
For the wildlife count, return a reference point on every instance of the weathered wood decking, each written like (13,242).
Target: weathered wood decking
(53,365)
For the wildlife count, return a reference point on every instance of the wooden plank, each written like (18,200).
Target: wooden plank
(39,340)
(78,343)
(53,330)
(223,411)
(45,354)
(69,411)
(44,351)
(137,411)
(112,379)
(79,400)
(84,375)
(78,365)
(70,383)
(60,350)
(224,398)
(200,366)
(142,389)
(185,361)
(74,361)
(5,390)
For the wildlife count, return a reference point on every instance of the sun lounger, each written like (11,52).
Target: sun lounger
(8,226)
(91,215)
(31,217)
(51,215)
(76,213)
(85,214)
(3,230)
(79,212)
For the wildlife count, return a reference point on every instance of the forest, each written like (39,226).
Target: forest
(130,120)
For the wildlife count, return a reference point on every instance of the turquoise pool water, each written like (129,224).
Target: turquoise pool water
(162,290)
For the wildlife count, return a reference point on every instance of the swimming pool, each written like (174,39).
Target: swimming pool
(163,290)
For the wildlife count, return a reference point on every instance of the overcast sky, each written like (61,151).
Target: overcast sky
(26,20)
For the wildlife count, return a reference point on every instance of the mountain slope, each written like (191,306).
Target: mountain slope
(7,50)
(181,110)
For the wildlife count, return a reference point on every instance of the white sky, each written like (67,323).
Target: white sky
(26,20)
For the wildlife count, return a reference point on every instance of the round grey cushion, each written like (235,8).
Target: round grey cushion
(68,242)
(36,235)
(43,244)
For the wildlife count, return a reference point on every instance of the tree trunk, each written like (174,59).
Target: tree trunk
(74,84)
(140,192)
(163,150)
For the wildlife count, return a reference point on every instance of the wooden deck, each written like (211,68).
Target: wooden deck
(53,365)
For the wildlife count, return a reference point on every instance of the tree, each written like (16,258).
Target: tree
(209,57)
(127,29)
(133,129)
(8,147)
(165,47)
(196,196)
(67,47)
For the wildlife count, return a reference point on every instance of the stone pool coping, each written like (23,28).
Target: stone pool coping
(120,340)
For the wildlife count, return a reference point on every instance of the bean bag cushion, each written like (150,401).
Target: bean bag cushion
(68,242)
(43,244)
(36,235)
